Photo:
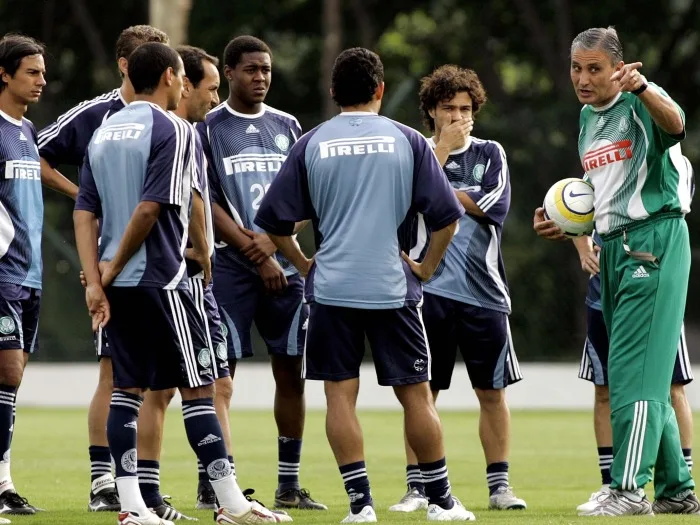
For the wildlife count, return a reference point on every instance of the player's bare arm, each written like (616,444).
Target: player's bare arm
(469,205)
(54,179)
(546,228)
(290,248)
(439,241)
(588,253)
(142,220)
(86,229)
(227,230)
(198,237)
(452,137)
(260,248)
(299,226)
(661,108)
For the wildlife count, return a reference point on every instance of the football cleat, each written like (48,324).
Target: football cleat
(206,497)
(366,515)
(297,499)
(505,499)
(13,503)
(106,500)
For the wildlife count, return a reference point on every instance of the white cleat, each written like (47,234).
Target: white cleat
(4,521)
(596,498)
(505,499)
(622,503)
(412,501)
(366,515)
(256,514)
(456,513)
(132,518)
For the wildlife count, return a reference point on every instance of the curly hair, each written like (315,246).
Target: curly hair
(443,84)
(357,72)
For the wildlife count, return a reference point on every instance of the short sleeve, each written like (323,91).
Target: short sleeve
(287,201)
(171,155)
(494,196)
(88,197)
(66,140)
(433,195)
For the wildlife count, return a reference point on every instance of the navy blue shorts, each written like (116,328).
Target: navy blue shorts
(484,340)
(215,331)
(102,345)
(280,319)
(19,317)
(157,338)
(594,362)
(335,344)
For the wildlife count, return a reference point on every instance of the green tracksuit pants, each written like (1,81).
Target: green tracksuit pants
(644,281)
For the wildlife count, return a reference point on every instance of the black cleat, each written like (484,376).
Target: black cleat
(206,497)
(106,500)
(297,499)
(167,512)
(13,503)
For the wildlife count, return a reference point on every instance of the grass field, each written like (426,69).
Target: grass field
(553,466)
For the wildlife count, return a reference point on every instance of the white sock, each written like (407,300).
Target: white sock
(5,477)
(130,495)
(229,495)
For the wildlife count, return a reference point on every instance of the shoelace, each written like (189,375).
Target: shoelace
(248,493)
(15,500)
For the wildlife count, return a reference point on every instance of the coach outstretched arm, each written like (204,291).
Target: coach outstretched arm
(664,111)
(439,241)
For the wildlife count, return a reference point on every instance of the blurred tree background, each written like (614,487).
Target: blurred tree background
(519,48)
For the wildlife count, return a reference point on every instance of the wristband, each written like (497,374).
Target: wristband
(641,89)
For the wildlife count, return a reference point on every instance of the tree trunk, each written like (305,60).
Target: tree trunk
(332,38)
(171,16)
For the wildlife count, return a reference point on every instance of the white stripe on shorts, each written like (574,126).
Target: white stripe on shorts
(184,337)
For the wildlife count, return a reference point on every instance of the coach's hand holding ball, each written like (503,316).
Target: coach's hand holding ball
(547,228)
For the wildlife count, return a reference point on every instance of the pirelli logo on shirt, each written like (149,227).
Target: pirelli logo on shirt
(356,146)
(253,163)
(23,170)
(615,152)
(119,132)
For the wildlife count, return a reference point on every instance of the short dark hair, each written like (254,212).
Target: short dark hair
(443,84)
(13,48)
(243,44)
(192,57)
(604,38)
(357,73)
(147,64)
(132,37)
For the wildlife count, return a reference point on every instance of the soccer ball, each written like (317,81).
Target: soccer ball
(569,203)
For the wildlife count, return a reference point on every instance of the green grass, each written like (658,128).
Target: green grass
(553,466)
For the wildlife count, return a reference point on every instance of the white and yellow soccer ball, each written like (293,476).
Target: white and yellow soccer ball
(569,203)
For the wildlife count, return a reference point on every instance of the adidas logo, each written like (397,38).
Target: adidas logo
(211,438)
(640,273)
(252,129)
(130,424)
(452,165)
(22,137)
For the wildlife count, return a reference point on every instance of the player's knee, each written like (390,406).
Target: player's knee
(224,391)
(414,396)
(160,398)
(11,368)
(201,392)
(490,398)
(602,395)
(287,372)
(678,397)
